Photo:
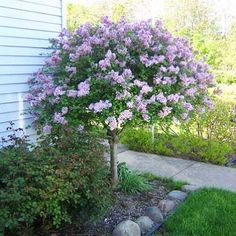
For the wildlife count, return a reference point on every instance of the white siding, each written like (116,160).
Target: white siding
(25,27)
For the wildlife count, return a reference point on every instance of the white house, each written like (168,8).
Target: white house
(25,27)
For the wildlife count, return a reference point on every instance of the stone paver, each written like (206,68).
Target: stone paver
(197,173)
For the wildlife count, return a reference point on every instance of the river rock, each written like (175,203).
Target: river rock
(145,224)
(177,195)
(154,214)
(127,228)
(166,205)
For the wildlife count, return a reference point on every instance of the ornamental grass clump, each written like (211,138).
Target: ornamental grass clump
(117,74)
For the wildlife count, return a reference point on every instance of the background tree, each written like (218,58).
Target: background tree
(227,67)
(199,22)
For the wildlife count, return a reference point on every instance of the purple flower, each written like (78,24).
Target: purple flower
(141,106)
(100,106)
(173,98)
(165,112)
(110,56)
(103,64)
(174,69)
(127,73)
(167,80)
(146,117)
(125,115)
(124,95)
(201,110)
(184,116)
(157,79)
(64,110)
(187,80)
(139,83)
(115,77)
(47,129)
(144,59)
(122,64)
(58,91)
(152,99)
(106,21)
(145,89)
(83,89)
(208,102)
(72,93)
(127,41)
(84,49)
(163,69)
(58,118)
(188,106)
(190,92)
(130,104)
(145,37)
(54,59)
(111,122)
(161,98)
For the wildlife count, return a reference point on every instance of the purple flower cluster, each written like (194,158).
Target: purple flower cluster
(100,106)
(125,115)
(164,112)
(83,88)
(47,129)
(111,122)
(59,118)
(135,70)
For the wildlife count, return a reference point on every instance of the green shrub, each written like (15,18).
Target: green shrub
(131,181)
(162,145)
(197,148)
(218,124)
(183,145)
(141,139)
(50,187)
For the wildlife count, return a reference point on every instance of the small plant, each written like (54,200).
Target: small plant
(16,139)
(131,181)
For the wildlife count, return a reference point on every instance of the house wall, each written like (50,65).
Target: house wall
(25,27)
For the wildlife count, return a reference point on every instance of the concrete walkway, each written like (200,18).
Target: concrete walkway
(198,173)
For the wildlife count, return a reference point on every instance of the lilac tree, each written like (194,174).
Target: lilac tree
(118,74)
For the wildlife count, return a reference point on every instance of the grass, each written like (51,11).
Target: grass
(208,212)
(169,183)
(130,181)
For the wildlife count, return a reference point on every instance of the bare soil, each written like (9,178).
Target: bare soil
(126,207)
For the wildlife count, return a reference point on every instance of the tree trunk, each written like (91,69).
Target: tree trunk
(113,141)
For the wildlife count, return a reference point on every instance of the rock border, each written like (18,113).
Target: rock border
(154,216)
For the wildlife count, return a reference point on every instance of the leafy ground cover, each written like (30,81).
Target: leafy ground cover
(205,213)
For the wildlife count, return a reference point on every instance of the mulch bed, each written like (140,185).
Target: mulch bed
(126,207)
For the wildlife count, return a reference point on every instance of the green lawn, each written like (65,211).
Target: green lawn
(208,212)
